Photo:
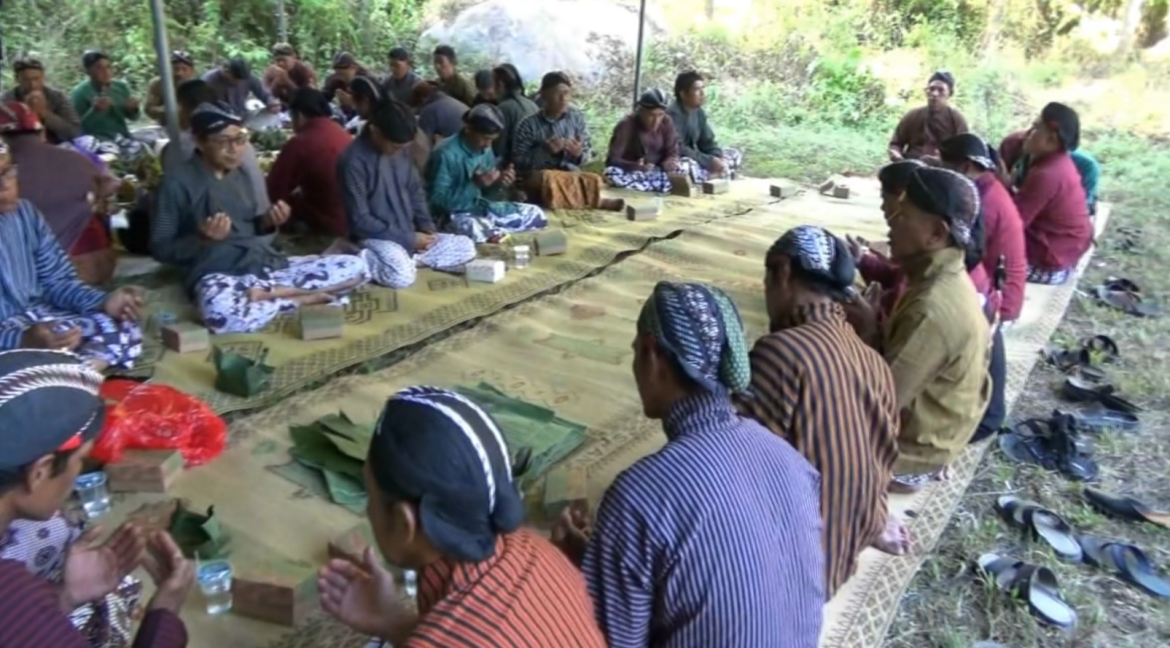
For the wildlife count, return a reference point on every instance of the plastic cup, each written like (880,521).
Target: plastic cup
(215,581)
(93,492)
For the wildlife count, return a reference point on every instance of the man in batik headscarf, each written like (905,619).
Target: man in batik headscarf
(716,538)
(820,387)
(644,149)
(923,129)
(443,503)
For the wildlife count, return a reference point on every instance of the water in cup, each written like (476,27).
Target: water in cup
(95,497)
(215,581)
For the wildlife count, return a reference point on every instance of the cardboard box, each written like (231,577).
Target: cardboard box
(717,186)
(841,191)
(322,322)
(827,186)
(275,590)
(551,243)
(641,211)
(565,487)
(186,337)
(144,471)
(682,185)
(781,191)
(485,270)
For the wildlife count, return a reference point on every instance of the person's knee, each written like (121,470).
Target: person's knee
(463,248)
(397,278)
(352,267)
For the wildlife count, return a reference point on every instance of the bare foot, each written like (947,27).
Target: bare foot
(612,204)
(895,539)
(315,299)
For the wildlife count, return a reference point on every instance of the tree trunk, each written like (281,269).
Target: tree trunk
(710,10)
(1129,25)
(996,9)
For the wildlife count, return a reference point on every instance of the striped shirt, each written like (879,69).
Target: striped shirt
(714,540)
(30,616)
(529,152)
(816,384)
(33,270)
(527,594)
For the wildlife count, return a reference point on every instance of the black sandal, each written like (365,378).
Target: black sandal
(1125,296)
(1052,445)
(1125,508)
(1040,523)
(1097,419)
(1128,562)
(1031,583)
(1081,388)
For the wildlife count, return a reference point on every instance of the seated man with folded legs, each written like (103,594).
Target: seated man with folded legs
(820,387)
(549,148)
(44,305)
(52,107)
(462,168)
(1011,151)
(208,225)
(921,130)
(696,139)
(386,206)
(643,152)
(937,339)
(714,540)
(444,503)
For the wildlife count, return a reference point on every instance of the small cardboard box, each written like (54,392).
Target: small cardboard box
(781,191)
(841,191)
(551,243)
(827,186)
(641,211)
(322,322)
(682,185)
(565,487)
(144,471)
(275,590)
(716,186)
(485,270)
(186,337)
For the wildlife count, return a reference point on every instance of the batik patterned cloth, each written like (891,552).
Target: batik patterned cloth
(501,218)
(43,548)
(732,157)
(1049,277)
(118,344)
(656,180)
(127,148)
(226,307)
(392,266)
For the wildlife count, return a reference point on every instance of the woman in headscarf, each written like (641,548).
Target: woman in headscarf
(644,153)
(658,561)
(461,173)
(922,129)
(443,503)
(937,339)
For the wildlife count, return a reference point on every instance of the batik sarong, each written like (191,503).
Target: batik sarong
(500,219)
(1049,277)
(392,266)
(655,180)
(103,338)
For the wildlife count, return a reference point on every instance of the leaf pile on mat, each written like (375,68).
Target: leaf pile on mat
(198,535)
(240,376)
(335,447)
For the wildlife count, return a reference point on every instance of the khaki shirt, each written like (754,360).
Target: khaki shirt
(937,343)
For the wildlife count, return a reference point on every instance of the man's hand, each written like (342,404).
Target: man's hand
(857,246)
(574,147)
(125,304)
(92,570)
(217,227)
(488,178)
(363,597)
(423,241)
(43,335)
(642,166)
(718,166)
(37,103)
(671,165)
(508,176)
(131,105)
(102,104)
(571,534)
(277,215)
(172,573)
(555,145)
(861,312)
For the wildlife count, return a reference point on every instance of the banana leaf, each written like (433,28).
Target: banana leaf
(240,376)
(344,490)
(199,536)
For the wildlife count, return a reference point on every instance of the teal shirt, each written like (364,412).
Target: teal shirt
(104,124)
(1090,172)
(451,175)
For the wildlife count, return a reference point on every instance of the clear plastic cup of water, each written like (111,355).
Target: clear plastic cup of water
(94,495)
(410,583)
(215,581)
(520,257)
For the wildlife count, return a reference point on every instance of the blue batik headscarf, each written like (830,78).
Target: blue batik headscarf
(699,327)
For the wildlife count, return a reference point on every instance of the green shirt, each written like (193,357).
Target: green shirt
(451,177)
(937,343)
(104,124)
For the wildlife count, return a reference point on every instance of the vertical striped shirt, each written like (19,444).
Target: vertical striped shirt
(816,384)
(30,616)
(526,595)
(715,540)
(35,270)
(529,152)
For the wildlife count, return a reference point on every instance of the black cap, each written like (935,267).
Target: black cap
(400,54)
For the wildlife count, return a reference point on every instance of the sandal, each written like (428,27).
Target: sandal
(1125,508)
(1036,585)
(1081,388)
(1097,418)
(1041,524)
(1128,562)
(1052,445)
(1126,296)
(1082,357)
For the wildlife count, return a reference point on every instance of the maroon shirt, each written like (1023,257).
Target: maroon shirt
(1052,205)
(308,161)
(1003,233)
(888,275)
(30,616)
(631,142)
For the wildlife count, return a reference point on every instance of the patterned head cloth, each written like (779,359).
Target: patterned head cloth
(653,99)
(344,60)
(946,77)
(211,118)
(700,328)
(442,451)
(1065,122)
(181,56)
(969,147)
(58,392)
(821,256)
(283,49)
(948,195)
(485,118)
(16,117)
(896,175)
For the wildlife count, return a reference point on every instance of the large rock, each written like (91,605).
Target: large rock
(538,36)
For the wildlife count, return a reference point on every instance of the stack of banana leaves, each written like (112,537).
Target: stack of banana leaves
(336,447)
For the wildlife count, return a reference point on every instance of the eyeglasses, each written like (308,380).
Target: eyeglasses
(9,175)
(229,142)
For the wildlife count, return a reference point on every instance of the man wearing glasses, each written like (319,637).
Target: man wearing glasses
(921,130)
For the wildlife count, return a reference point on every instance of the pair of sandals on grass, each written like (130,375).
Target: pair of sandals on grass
(1125,296)
(1037,585)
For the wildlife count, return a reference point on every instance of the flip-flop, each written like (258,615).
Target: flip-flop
(1128,301)
(1036,585)
(1002,569)
(1125,508)
(1067,359)
(1097,418)
(1041,524)
(1102,344)
(1128,562)
(1080,389)
(1052,445)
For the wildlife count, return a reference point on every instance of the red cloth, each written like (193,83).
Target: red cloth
(94,238)
(309,162)
(1055,213)
(1003,235)
(890,277)
(17,117)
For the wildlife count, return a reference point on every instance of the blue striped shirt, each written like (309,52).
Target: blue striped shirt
(715,540)
(35,270)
